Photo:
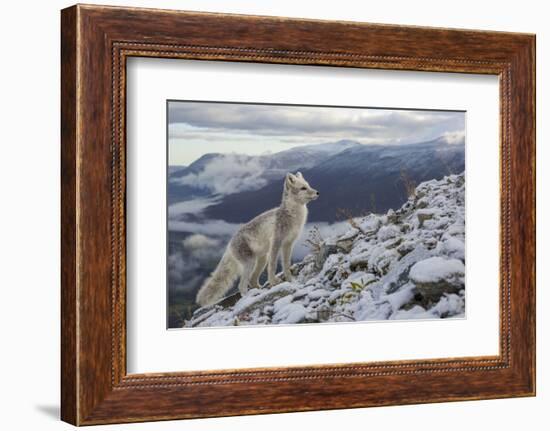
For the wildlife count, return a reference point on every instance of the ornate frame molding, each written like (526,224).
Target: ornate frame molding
(96,41)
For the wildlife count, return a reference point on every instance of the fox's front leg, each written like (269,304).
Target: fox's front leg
(272,263)
(287,254)
(261,262)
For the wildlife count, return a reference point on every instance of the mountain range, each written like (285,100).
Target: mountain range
(353,179)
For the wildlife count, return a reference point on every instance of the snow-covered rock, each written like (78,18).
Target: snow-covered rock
(406,264)
(435,269)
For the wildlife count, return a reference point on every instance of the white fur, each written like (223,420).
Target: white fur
(260,241)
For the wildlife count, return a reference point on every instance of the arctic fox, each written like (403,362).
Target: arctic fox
(259,242)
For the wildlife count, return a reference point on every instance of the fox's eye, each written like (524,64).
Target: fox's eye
(303,188)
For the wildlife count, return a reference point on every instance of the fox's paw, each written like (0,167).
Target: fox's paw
(274,281)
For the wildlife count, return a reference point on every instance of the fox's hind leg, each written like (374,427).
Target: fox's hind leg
(246,273)
(246,257)
(261,262)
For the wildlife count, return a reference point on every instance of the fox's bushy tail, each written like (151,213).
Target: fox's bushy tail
(220,281)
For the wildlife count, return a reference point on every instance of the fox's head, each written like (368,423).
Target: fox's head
(298,189)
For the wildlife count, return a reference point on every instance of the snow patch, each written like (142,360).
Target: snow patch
(435,269)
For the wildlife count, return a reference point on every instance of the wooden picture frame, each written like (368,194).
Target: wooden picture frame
(95,43)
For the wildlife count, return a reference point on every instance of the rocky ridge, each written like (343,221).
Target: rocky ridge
(405,264)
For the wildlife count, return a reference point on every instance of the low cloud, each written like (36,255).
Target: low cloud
(231,173)
(198,242)
(190,263)
(194,206)
(207,227)
(454,138)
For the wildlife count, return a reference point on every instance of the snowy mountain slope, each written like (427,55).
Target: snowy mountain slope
(358,179)
(335,167)
(223,174)
(406,264)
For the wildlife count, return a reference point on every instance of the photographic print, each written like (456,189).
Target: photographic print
(291,214)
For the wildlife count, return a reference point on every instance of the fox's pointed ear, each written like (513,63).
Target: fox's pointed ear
(290,178)
(299,175)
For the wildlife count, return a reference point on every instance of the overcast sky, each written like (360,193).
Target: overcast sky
(196,128)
